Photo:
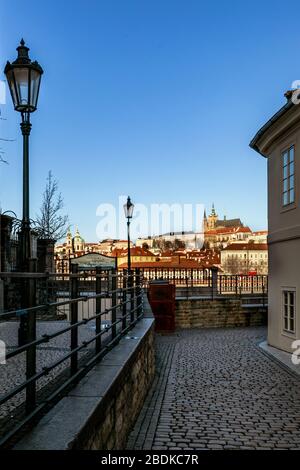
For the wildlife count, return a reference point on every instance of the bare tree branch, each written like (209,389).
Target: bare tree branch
(2,160)
(50,224)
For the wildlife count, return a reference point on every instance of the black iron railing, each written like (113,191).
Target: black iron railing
(208,278)
(197,277)
(188,277)
(242,284)
(99,307)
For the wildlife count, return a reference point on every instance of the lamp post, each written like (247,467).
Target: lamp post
(24,77)
(128,209)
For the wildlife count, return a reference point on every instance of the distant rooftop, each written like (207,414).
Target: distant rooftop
(246,246)
(229,223)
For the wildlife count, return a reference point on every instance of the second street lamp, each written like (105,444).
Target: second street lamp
(24,77)
(128,209)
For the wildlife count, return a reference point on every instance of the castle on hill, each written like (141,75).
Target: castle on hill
(212,222)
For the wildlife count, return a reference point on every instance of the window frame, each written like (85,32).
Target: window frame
(288,331)
(288,189)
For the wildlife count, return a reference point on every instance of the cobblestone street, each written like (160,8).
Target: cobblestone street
(14,372)
(215,389)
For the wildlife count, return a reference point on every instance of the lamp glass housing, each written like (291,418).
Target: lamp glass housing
(128,209)
(24,78)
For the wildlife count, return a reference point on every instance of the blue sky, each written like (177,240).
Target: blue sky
(156,99)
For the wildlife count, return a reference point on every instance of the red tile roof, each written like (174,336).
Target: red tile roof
(165,264)
(261,232)
(246,246)
(226,230)
(134,251)
(167,253)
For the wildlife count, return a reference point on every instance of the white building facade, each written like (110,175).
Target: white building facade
(279,141)
(245,258)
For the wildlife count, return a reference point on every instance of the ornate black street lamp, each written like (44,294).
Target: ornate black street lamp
(128,209)
(24,77)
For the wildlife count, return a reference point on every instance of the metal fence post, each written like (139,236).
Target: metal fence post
(187,282)
(209,275)
(114,303)
(124,298)
(139,293)
(131,290)
(214,283)
(23,324)
(74,317)
(98,309)
(31,336)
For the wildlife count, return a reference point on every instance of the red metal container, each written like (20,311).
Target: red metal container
(162,301)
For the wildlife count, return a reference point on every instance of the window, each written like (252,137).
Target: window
(288,176)
(289,306)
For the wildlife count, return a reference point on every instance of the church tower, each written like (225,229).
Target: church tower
(205,225)
(69,246)
(212,219)
(78,242)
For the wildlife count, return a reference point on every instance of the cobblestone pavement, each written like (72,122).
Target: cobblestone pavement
(13,373)
(215,389)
